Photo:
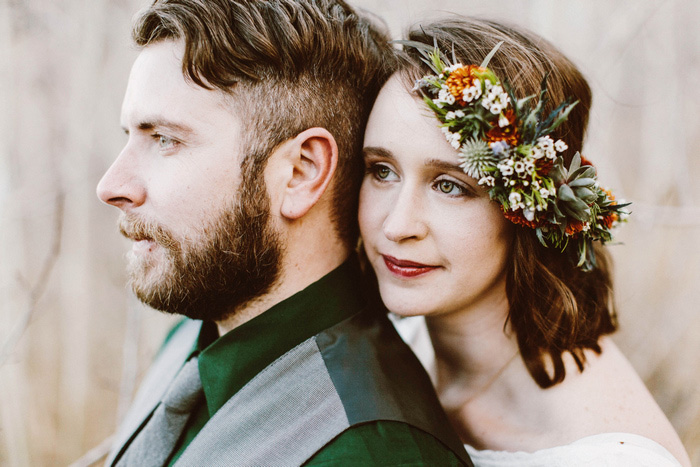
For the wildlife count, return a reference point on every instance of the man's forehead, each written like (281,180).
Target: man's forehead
(158,92)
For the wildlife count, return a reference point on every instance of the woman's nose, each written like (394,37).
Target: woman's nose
(405,219)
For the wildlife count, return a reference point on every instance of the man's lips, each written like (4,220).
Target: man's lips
(405,268)
(142,245)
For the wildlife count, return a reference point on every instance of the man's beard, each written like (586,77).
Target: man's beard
(236,261)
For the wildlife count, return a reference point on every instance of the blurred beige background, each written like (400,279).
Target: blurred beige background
(73,343)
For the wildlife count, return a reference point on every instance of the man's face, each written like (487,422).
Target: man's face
(202,240)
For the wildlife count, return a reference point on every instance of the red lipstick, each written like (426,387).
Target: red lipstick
(405,268)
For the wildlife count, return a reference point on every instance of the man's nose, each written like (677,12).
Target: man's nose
(122,185)
(405,219)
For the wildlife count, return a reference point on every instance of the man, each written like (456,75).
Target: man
(238,186)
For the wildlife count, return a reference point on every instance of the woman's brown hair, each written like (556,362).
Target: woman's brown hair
(554,306)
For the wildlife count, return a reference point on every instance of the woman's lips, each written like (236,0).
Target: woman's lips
(405,268)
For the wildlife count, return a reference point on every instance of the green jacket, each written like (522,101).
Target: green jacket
(318,379)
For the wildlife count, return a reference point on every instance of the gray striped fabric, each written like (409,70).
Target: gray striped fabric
(156,440)
(162,372)
(280,418)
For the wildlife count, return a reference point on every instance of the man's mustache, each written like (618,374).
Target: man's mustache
(136,228)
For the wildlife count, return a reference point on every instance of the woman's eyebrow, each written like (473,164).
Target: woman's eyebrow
(443,165)
(377,151)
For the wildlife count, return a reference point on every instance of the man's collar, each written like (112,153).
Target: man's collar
(227,363)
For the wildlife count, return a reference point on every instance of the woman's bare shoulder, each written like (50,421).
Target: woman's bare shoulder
(609,396)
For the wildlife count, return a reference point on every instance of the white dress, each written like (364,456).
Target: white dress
(602,450)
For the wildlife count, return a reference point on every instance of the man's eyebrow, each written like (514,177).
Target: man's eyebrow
(149,124)
(152,123)
(377,151)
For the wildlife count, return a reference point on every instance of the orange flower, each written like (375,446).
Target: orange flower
(611,197)
(516,217)
(462,78)
(574,227)
(508,133)
(608,219)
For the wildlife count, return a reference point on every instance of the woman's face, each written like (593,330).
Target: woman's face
(436,241)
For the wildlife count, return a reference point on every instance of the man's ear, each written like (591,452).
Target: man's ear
(314,157)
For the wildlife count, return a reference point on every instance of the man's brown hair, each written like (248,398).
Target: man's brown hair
(289,65)
(554,306)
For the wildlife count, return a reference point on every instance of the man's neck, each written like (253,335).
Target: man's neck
(296,274)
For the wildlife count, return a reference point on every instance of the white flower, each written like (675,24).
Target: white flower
(446,96)
(450,115)
(488,181)
(560,146)
(452,138)
(505,169)
(459,113)
(537,152)
(503,121)
(496,100)
(529,214)
(514,198)
(472,93)
(454,67)
(545,142)
(519,167)
(544,192)
(529,166)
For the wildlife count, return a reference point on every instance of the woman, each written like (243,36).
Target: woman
(478,212)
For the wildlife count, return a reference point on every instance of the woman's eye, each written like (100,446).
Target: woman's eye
(450,188)
(382,172)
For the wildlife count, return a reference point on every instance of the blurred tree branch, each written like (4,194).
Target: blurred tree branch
(94,455)
(36,291)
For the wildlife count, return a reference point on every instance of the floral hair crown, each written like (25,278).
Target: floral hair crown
(505,144)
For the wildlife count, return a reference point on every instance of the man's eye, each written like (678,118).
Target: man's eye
(164,142)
